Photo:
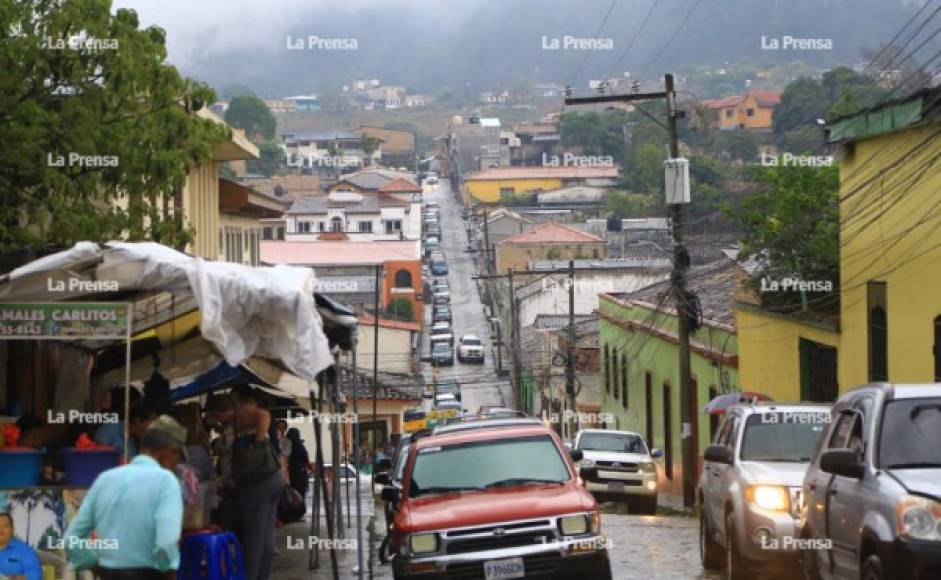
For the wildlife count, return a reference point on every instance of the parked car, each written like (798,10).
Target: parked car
(431,246)
(448,386)
(872,506)
(751,484)
(441,292)
(439,267)
(441,313)
(619,464)
(441,332)
(431,178)
(493,412)
(439,283)
(470,349)
(433,229)
(497,516)
(450,404)
(441,301)
(442,354)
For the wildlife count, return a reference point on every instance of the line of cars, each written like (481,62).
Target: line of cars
(461,504)
(852,491)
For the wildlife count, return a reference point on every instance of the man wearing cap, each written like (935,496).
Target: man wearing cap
(135,512)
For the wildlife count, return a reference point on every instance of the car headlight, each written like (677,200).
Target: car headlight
(646,467)
(596,522)
(574,525)
(769,497)
(423,543)
(918,518)
(586,463)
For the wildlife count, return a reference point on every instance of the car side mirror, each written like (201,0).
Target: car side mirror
(576,454)
(390,494)
(656,453)
(383,478)
(718,454)
(845,462)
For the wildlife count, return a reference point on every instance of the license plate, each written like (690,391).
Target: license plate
(618,485)
(504,569)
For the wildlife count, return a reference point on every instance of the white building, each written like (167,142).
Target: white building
(354,216)
(341,150)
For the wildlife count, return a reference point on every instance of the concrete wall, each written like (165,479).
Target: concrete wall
(518,256)
(770,353)
(655,351)
(903,250)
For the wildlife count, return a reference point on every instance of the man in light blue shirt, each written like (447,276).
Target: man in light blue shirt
(135,511)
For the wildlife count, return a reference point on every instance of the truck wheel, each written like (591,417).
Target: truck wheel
(734,567)
(385,554)
(709,551)
(872,568)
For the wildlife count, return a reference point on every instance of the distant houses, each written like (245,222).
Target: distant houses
(753,111)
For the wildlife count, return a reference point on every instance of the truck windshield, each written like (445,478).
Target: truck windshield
(911,430)
(614,442)
(487,464)
(788,436)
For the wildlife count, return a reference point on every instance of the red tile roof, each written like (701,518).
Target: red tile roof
(340,253)
(763,98)
(400,186)
(725,102)
(766,98)
(553,233)
(567,172)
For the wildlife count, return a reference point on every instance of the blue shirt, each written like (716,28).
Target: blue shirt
(136,512)
(18,558)
(112,434)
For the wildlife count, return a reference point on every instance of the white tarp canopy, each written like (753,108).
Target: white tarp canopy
(263,312)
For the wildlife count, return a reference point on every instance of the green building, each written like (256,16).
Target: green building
(640,361)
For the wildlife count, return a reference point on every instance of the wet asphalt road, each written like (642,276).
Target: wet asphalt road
(480,384)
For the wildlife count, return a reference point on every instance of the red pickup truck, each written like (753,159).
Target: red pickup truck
(494,503)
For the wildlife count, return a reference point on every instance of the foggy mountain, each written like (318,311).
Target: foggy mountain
(478,45)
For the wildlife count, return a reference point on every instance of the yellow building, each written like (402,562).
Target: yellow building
(753,111)
(889,326)
(199,196)
(507,183)
(548,241)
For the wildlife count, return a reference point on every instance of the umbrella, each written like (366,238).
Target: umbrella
(718,405)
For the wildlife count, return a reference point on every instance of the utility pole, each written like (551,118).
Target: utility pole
(688,410)
(488,269)
(515,340)
(570,358)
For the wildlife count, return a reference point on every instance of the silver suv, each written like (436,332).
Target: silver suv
(751,485)
(873,490)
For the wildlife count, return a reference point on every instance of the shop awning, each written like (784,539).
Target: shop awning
(244,312)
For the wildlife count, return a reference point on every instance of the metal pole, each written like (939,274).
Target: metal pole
(570,359)
(688,398)
(514,339)
(487,243)
(356,454)
(313,561)
(375,373)
(127,384)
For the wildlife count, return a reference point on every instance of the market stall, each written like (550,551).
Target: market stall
(77,324)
